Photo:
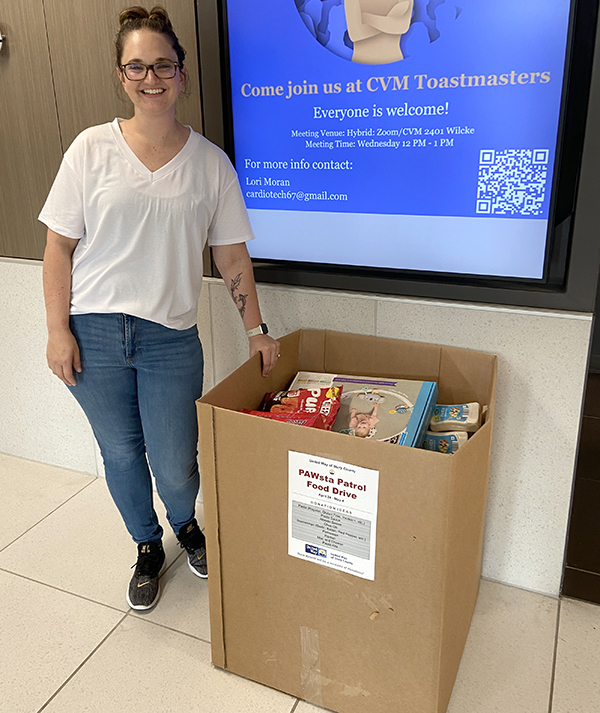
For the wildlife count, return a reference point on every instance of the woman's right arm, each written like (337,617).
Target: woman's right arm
(62,352)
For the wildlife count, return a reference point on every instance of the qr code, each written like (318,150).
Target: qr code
(512,182)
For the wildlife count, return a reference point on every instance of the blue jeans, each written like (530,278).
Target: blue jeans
(138,387)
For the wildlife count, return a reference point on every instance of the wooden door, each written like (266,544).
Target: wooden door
(81,37)
(30,147)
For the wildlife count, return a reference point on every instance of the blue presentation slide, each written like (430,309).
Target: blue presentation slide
(409,134)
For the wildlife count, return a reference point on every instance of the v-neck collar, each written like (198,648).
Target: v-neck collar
(139,166)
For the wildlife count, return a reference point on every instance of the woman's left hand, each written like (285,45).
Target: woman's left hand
(268,348)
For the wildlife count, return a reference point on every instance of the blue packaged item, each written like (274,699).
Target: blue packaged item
(444,442)
(456,417)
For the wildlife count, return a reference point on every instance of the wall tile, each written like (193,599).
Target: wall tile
(39,418)
(229,344)
(284,310)
(205,332)
(542,363)
(541,371)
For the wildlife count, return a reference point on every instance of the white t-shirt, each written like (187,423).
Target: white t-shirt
(141,234)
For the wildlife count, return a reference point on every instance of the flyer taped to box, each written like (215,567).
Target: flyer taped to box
(332,513)
(384,409)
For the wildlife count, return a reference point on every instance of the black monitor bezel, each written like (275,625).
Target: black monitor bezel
(556,290)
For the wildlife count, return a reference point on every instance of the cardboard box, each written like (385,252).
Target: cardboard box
(338,640)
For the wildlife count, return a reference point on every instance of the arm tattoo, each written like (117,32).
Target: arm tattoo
(239,300)
(235,283)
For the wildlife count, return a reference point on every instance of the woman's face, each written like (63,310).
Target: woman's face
(151,95)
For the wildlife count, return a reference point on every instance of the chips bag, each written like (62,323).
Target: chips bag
(297,417)
(320,403)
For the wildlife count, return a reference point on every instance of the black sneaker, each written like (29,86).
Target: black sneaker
(144,589)
(191,538)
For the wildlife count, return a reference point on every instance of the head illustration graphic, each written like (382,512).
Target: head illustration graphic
(376,31)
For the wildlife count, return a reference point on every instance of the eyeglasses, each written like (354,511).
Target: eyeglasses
(136,71)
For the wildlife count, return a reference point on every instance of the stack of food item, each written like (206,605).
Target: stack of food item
(379,408)
(451,425)
(400,411)
(316,407)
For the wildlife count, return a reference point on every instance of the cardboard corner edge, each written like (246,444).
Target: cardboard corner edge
(464,545)
(208,477)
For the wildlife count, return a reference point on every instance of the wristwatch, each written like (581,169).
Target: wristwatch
(261,329)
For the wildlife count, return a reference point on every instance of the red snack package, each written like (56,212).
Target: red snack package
(298,417)
(323,403)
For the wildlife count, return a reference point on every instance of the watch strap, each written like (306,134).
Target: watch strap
(261,329)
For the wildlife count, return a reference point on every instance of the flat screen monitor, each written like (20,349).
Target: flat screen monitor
(420,139)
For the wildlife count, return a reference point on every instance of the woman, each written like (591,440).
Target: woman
(130,211)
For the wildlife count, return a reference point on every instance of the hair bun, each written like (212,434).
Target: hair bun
(159,15)
(138,18)
(131,14)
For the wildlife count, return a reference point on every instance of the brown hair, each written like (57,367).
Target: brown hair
(138,18)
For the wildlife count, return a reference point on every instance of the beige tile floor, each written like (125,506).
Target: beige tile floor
(69,643)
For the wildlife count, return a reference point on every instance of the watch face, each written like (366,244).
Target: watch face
(261,329)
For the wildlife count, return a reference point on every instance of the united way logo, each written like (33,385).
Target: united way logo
(317,551)
(377,31)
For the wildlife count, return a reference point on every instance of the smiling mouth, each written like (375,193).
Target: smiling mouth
(152,91)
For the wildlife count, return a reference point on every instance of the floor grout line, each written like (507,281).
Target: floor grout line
(554,657)
(63,591)
(87,658)
(136,615)
(169,566)
(129,612)
(87,485)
